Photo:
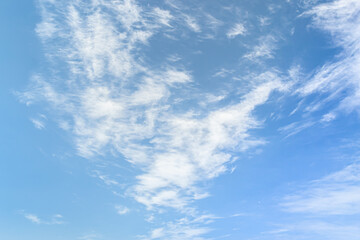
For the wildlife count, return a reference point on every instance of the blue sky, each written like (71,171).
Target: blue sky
(199,120)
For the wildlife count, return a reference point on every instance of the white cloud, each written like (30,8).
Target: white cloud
(38,123)
(121,210)
(237,29)
(48,27)
(55,219)
(307,3)
(113,101)
(127,11)
(212,22)
(341,20)
(191,23)
(183,150)
(33,218)
(91,236)
(335,194)
(157,233)
(184,228)
(264,50)
(328,117)
(190,150)
(164,16)
(223,72)
(326,208)
(296,127)
(211,99)
(331,231)
(106,179)
(315,229)
(264,21)
(336,83)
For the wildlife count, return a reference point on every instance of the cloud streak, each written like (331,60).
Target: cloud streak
(335,194)
(326,208)
(341,20)
(55,219)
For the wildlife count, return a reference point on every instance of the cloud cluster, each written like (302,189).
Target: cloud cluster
(114,101)
(114,98)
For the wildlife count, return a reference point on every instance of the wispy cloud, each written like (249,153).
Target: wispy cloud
(296,127)
(184,228)
(38,123)
(90,236)
(237,29)
(121,210)
(192,23)
(341,20)
(335,194)
(326,208)
(33,218)
(264,21)
(115,101)
(213,22)
(104,178)
(194,150)
(223,72)
(264,50)
(311,229)
(164,16)
(55,219)
(336,83)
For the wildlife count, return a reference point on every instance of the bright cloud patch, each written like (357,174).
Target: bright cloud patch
(238,29)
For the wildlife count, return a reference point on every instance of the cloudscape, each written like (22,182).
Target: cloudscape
(180,120)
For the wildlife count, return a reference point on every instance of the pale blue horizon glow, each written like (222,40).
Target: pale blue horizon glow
(181,120)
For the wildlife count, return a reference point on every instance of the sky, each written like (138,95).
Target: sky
(179,120)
